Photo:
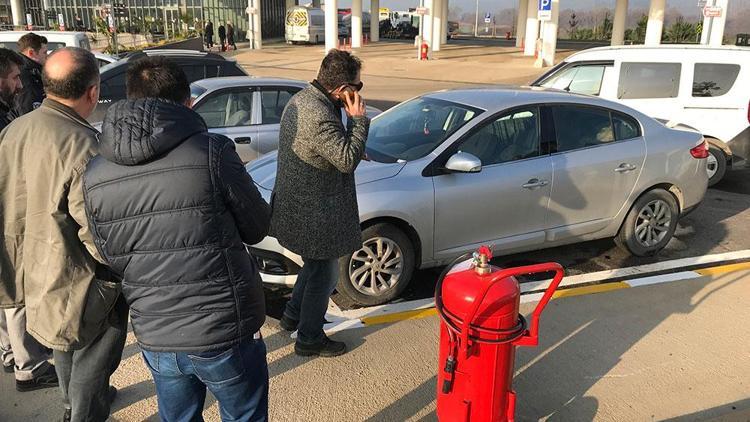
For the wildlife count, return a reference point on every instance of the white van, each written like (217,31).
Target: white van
(705,88)
(305,24)
(55,39)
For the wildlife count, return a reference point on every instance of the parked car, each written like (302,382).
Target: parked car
(519,169)
(55,39)
(697,86)
(248,110)
(196,64)
(305,24)
(104,59)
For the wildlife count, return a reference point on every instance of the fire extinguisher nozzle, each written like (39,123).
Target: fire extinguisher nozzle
(446,387)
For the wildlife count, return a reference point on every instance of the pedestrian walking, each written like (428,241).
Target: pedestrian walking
(171,207)
(71,301)
(315,211)
(209,34)
(33,49)
(223,37)
(230,36)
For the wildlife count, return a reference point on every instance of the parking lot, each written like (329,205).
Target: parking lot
(655,338)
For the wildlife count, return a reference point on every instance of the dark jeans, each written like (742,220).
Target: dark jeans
(84,373)
(310,296)
(237,377)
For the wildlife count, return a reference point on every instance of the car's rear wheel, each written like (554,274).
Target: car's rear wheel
(716,164)
(378,272)
(650,224)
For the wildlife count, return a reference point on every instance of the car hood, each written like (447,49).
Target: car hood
(263,171)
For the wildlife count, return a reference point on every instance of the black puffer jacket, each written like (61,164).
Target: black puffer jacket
(32,94)
(170,207)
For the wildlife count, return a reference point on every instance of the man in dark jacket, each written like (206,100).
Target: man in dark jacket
(315,211)
(222,37)
(33,49)
(230,36)
(209,35)
(10,84)
(171,207)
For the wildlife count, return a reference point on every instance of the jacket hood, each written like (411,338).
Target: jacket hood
(137,131)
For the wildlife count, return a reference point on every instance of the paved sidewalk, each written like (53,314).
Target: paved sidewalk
(675,351)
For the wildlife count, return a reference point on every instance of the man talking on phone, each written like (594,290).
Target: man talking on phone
(315,213)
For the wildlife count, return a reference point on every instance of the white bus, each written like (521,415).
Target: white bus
(305,25)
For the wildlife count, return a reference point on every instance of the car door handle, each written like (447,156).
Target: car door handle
(535,183)
(243,140)
(625,167)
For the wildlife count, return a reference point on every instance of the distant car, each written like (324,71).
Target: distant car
(519,169)
(104,59)
(697,86)
(196,64)
(55,39)
(248,110)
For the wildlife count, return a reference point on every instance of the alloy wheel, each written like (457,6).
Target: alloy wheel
(377,267)
(653,223)
(712,165)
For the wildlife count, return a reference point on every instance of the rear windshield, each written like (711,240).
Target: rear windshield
(196,91)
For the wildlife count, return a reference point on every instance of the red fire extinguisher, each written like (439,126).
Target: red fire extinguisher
(423,51)
(479,332)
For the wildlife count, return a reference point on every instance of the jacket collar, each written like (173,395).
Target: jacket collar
(29,64)
(334,103)
(67,111)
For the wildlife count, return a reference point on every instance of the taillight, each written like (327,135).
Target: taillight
(701,151)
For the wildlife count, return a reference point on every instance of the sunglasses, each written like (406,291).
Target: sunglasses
(357,87)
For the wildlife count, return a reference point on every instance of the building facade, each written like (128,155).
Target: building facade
(158,17)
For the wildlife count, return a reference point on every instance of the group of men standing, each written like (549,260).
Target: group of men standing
(226,36)
(150,218)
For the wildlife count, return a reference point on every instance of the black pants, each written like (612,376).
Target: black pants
(84,373)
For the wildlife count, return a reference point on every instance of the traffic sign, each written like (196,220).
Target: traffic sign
(61,21)
(421,11)
(712,11)
(487,18)
(545,10)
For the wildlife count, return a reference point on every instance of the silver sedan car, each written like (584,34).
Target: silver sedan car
(247,109)
(518,169)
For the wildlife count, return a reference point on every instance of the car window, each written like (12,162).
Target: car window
(512,137)
(227,109)
(649,80)
(273,101)
(113,88)
(581,127)
(413,129)
(585,79)
(194,72)
(626,127)
(231,69)
(713,79)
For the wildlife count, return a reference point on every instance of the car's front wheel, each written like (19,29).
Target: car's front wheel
(379,271)
(650,224)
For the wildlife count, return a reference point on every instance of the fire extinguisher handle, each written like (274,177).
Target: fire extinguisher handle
(532,334)
(531,338)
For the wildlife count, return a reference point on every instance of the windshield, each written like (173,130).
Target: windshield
(196,91)
(413,129)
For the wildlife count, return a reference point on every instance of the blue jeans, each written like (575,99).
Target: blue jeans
(236,376)
(310,296)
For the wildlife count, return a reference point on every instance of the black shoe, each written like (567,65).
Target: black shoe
(10,368)
(288,324)
(326,349)
(112,394)
(46,380)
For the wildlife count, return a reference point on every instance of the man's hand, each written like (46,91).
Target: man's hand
(354,104)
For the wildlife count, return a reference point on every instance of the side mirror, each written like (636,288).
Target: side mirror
(463,162)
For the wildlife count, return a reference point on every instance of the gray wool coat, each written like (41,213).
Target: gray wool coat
(314,203)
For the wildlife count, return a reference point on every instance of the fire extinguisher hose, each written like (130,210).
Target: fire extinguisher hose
(505,335)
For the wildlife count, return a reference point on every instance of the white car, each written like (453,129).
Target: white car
(248,110)
(55,39)
(705,88)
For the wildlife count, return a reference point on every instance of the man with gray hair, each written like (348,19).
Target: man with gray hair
(73,304)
